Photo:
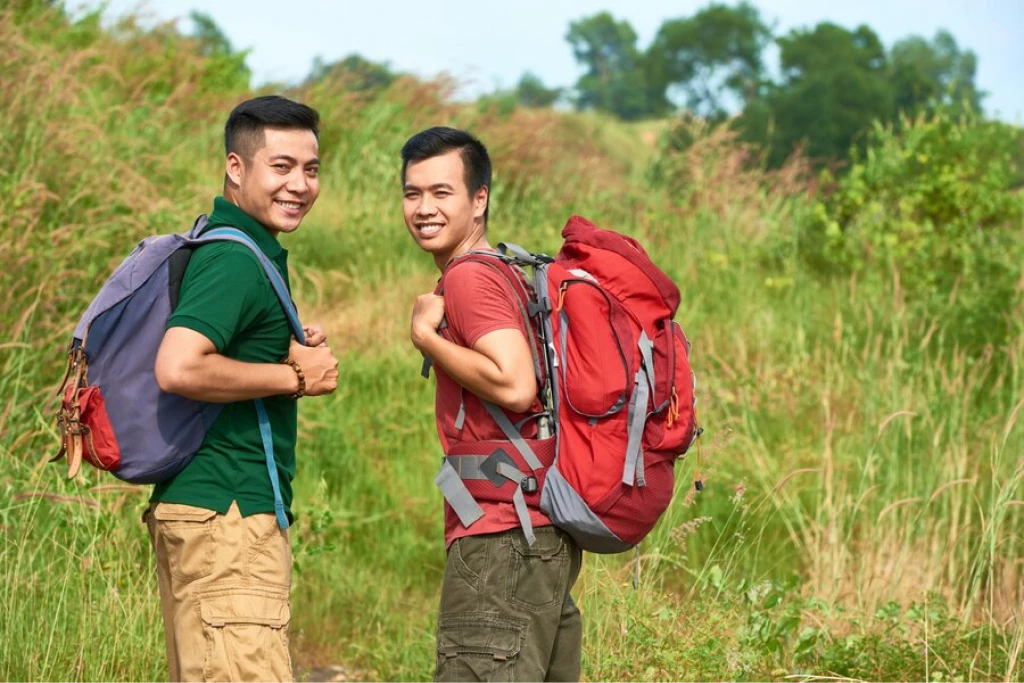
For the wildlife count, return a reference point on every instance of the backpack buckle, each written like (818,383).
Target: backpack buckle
(489,467)
(538,307)
(499,468)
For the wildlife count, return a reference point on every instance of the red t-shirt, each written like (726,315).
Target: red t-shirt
(477,300)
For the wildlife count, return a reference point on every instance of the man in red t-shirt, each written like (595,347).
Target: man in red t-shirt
(505,609)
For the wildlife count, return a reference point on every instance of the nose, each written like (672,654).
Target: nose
(426,207)
(298,183)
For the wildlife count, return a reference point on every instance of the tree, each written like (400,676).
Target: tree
(211,38)
(835,83)
(226,64)
(531,92)
(616,78)
(715,54)
(355,71)
(926,74)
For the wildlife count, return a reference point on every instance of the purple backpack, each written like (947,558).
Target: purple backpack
(113,414)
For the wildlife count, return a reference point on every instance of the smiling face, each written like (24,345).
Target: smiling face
(440,213)
(279,185)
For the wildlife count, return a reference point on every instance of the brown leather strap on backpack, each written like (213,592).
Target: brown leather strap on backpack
(69,413)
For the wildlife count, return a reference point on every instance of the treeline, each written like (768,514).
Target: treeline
(829,85)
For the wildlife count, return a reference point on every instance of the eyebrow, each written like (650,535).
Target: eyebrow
(293,160)
(435,186)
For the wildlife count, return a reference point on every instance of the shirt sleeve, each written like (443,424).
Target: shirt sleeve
(479,300)
(221,293)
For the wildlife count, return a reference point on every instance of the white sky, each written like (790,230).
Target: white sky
(490,44)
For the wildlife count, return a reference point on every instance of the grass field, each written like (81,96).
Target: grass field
(862,515)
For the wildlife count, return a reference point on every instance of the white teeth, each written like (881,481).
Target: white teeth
(430,229)
(290,205)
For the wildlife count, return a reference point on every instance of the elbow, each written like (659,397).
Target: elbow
(521,404)
(170,378)
(520,397)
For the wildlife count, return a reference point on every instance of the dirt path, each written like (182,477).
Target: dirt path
(326,674)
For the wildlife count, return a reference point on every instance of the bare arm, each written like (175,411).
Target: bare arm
(188,364)
(499,367)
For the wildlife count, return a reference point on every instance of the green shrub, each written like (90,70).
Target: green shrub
(932,199)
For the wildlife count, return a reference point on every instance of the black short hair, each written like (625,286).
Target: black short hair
(243,133)
(439,140)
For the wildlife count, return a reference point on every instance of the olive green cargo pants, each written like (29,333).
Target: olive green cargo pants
(506,612)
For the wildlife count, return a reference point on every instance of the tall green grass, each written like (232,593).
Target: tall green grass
(863,501)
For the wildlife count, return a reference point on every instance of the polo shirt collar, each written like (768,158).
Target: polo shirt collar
(227,214)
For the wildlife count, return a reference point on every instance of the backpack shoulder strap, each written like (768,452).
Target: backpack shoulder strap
(492,260)
(513,274)
(499,262)
(227,234)
(277,282)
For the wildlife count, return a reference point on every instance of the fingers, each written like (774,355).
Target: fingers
(315,335)
(323,370)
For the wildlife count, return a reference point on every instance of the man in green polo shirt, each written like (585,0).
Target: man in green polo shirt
(223,561)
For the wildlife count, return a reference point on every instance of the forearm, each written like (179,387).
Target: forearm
(217,379)
(474,371)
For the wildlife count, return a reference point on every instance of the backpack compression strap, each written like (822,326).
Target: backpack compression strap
(281,289)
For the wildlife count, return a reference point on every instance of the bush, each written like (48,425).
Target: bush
(931,198)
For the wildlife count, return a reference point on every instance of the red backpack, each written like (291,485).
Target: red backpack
(617,391)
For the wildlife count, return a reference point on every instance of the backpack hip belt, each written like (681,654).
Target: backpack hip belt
(495,472)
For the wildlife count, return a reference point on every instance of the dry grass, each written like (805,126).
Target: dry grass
(849,443)
(361,321)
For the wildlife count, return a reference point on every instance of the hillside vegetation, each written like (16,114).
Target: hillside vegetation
(858,343)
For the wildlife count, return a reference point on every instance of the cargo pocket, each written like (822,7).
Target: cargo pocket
(246,633)
(268,558)
(184,539)
(478,646)
(469,557)
(537,574)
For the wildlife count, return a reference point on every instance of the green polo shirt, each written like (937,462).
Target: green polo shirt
(227,297)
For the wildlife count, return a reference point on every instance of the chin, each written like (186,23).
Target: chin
(434,248)
(287,227)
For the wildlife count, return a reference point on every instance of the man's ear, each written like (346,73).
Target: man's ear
(234,167)
(480,200)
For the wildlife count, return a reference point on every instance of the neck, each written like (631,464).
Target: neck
(477,240)
(231,195)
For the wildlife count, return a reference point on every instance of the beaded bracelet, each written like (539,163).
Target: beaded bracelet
(302,379)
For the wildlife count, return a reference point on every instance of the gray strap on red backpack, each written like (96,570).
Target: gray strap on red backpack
(457,495)
(513,435)
(643,389)
(499,471)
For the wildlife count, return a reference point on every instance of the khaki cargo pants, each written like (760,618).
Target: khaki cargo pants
(224,583)
(506,613)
